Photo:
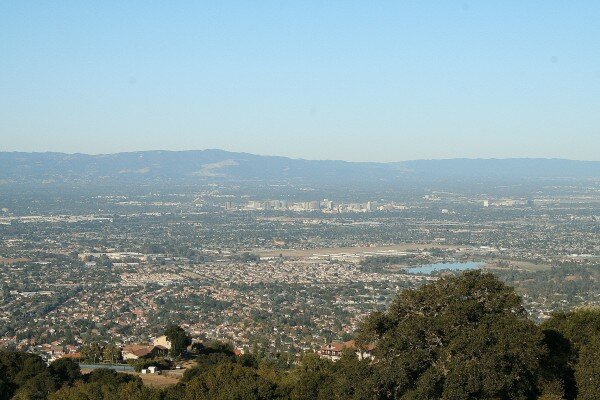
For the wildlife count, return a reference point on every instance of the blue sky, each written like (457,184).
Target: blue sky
(353,80)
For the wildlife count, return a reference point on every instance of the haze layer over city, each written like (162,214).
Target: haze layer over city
(299,200)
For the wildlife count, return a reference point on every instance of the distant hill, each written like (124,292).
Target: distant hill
(215,165)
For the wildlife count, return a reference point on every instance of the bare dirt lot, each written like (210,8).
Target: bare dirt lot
(158,381)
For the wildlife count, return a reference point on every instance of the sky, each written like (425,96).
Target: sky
(353,80)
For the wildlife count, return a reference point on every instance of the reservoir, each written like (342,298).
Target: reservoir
(431,268)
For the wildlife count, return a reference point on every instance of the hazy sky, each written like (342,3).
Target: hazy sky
(354,80)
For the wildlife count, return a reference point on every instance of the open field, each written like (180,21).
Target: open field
(520,265)
(360,251)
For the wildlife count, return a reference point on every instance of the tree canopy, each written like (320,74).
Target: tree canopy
(179,339)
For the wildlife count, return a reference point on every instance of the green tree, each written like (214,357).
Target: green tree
(231,381)
(36,388)
(15,370)
(354,378)
(313,379)
(137,391)
(64,370)
(557,377)
(587,371)
(84,391)
(111,353)
(578,326)
(179,339)
(567,335)
(92,353)
(460,337)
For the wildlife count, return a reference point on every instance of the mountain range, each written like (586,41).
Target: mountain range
(217,165)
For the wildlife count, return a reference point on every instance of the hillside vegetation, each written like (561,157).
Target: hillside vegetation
(464,337)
